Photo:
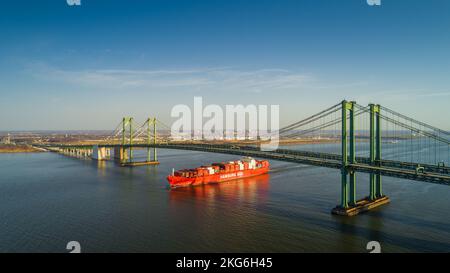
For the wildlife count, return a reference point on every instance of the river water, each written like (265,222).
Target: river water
(47,200)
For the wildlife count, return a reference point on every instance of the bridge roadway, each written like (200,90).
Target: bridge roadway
(427,173)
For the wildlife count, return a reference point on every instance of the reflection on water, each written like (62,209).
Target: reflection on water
(101,167)
(251,190)
(48,200)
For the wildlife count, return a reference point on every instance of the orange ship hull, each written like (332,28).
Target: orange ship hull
(222,176)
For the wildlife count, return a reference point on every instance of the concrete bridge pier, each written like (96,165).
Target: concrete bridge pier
(120,155)
(100,153)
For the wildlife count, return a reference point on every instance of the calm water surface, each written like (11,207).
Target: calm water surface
(47,200)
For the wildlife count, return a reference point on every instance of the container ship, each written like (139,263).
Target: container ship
(218,172)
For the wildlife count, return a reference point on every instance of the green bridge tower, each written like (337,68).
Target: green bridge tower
(349,205)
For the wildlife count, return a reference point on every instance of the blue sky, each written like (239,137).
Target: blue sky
(84,67)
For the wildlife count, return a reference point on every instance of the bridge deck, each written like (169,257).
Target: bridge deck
(430,173)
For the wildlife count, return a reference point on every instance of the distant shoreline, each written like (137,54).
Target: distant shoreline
(4,149)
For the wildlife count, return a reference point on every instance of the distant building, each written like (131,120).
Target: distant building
(6,140)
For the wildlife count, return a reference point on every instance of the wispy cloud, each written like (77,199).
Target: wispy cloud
(435,94)
(220,79)
(401,95)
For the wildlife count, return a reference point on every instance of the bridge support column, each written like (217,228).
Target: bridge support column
(375,151)
(348,188)
(120,155)
(131,140)
(125,122)
(344,189)
(344,193)
(352,193)
(155,158)
(151,123)
(148,139)
(378,187)
(372,150)
(352,190)
(98,153)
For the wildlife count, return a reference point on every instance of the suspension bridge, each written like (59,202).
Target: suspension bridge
(347,136)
